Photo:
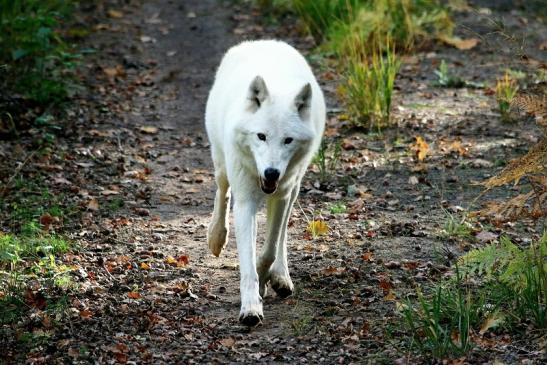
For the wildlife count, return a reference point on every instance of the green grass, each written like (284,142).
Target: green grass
(31,252)
(320,15)
(326,159)
(30,199)
(35,60)
(506,89)
(407,23)
(368,85)
(500,287)
(337,208)
(115,204)
(445,78)
(363,34)
(455,227)
(31,245)
(30,258)
(439,324)
(515,275)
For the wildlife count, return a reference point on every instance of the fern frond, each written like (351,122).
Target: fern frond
(504,261)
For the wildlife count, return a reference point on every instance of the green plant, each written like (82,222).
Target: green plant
(446,79)
(440,324)
(116,204)
(499,285)
(320,15)
(520,274)
(326,159)
(368,85)
(337,208)
(37,60)
(405,22)
(302,325)
(456,228)
(31,255)
(506,89)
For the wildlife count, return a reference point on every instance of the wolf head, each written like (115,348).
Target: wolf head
(277,130)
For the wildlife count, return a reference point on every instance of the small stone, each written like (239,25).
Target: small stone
(392,265)
(142,212)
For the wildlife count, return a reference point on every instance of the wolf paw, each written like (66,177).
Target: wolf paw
(263,269)
(282,286)
(251,315)
(263,289)
(217,238)
(251,319)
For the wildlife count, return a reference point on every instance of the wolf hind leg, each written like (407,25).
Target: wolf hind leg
(217,234)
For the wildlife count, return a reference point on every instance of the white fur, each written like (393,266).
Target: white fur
(238,108)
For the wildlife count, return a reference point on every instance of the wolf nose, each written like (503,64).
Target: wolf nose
(271,174)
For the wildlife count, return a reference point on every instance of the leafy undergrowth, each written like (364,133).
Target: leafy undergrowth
(498,290)
(34,280)
(118,208)
(36,62)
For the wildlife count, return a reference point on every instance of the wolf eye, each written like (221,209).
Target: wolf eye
(261,136)
(288,140)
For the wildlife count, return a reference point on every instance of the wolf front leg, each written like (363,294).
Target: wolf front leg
(280,280)
(245,228)
(276,213)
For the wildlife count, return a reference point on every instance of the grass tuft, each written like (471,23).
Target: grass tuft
(506,90)
(368,85)
(498,287)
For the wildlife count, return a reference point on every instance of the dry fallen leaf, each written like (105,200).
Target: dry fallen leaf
(133,295)
(457,146)
(462,44)
(227,342)
(93,205)
(385,285)
(148,130)
(111,71)
(390,296)
(109,192)
(182,260)
(486,236)
(492,321)
(86,313)
(46,220)
(420,148)
(115,14)
(317,228)
(413,180)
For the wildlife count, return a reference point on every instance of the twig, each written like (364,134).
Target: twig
(109,274)
(17,171)
(302,210)
(120,149)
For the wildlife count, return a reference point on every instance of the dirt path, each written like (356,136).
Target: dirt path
(183,312)
(149,291)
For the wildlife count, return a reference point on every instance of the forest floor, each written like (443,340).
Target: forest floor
(134,166)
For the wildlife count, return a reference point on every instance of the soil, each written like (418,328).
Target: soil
(148,289)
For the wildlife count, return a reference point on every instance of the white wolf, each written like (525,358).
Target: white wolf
(265,118)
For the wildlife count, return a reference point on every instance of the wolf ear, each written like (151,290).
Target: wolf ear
(303,101)
(258,92)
